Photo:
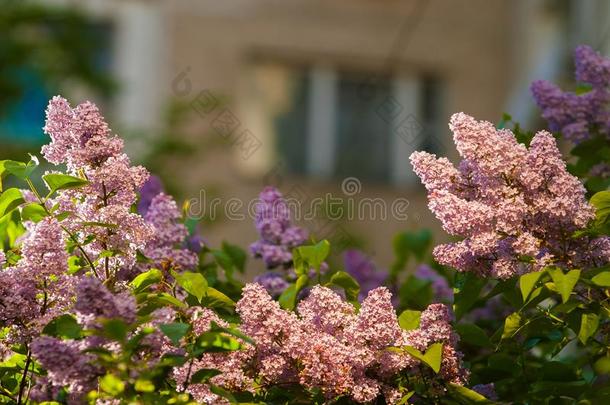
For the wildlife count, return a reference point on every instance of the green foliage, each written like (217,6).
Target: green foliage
(564,283)
(193,283)
(60,181)
(409,319)
(467,291)
(348,284)
(431,358)
(56,47)
(64,326)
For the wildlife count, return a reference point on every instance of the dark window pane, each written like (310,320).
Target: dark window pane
(431,112)
(291,126)
(363,129)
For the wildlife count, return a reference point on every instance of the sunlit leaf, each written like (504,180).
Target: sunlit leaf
(432,357)
(588,327)
(564,282)
(409,319)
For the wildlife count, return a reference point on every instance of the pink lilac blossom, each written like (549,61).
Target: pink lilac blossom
(516,208)
(81,139)
(44,254)
(326,345)
(230,364)
(578,116)
(169,234)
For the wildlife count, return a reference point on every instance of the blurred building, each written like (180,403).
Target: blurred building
(306,93)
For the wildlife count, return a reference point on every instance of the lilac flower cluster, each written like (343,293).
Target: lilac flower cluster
(516,208)
(364,271)
(326,345)
(277,234)
(577,116)
(67,366)
(81,139)
(169,235)
(35,289)
(274,283)
(68,362)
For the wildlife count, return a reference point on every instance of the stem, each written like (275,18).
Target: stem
(24,378)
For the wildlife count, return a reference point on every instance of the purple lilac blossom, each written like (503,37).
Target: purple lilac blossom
(274,283)
(277,234)
(512,205)
(577,116)
(169,234)
(150,189)
(487,390)
(440,287)
(364,271)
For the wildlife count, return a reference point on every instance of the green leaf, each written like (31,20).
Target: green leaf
(33,212)
(64,326)
(348,284)
(214,342)
(564,282)
(175,331)
(112,385)
(203,375)
(469,288)
(225,262)
(288,298)
(466,396)
(163,299)
(193,283)
(405,398)
(601,202)
(216,299)
(237,255)
(511,325)
(409,319)
(588,327)
(20,170)
(415,293)
(114,329)
(472,334)
(223,393)
(312,255)
(144,385)
(9,200)
(602,279)
(233,332)
(145,279)
(59,181)
(406,244)
(527,283)
(432,357)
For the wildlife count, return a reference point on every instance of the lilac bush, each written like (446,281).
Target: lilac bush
(108,295)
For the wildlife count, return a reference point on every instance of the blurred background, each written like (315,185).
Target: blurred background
(220,98)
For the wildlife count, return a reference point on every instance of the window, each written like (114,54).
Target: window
(338,123)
